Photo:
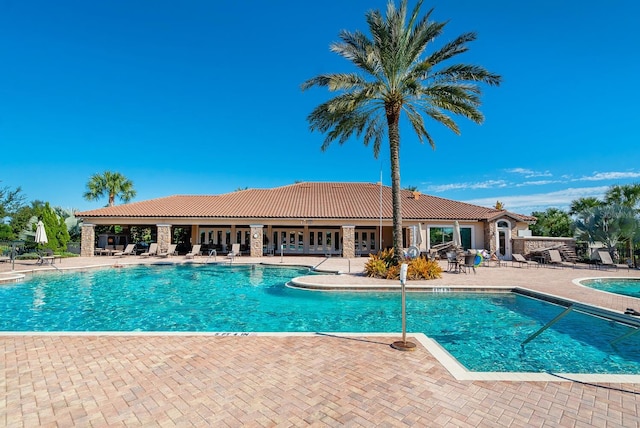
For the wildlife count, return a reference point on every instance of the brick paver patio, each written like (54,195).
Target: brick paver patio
(279,380)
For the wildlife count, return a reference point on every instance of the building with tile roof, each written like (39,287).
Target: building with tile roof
(326,218)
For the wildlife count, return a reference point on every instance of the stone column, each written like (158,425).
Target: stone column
(256,240)
(164,237)
(348,241)
(88,240)
(409,236)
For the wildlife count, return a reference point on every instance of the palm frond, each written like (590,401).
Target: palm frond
(437,115)
(466,72)
(451,49)
(336,81)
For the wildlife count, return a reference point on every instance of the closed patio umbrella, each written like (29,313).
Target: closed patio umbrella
(41,233)
(457,240)
(419,236)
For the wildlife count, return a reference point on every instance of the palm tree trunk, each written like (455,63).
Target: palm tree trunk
(394,148)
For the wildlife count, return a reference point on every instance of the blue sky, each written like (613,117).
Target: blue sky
(203,97)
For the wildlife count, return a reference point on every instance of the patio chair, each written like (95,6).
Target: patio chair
(453,263)
(519,258)
(607,261)
(195,251)
(468,263)
(235,251)
(129,251)
(152,251)
(170,251)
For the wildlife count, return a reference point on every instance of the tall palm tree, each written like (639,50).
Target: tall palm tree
(109,184)
(396,75)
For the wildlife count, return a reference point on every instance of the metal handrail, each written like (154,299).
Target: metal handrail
(213,253)
(547,325)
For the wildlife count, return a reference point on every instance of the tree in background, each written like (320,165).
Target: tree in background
(582,204)
(552,222)
(110,184)
(500,206)
(411,188)
(57,233)
(627,195)
(609,224)
(11,200)
(73,223)
(395,76)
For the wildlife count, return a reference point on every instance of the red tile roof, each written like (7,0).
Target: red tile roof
(306,200)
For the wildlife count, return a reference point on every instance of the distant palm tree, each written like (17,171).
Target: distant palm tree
(627,195)
(397,76)
(109,184)
(581,204)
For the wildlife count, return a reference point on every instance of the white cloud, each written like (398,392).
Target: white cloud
(529,173)
(488,184)
(537,183)
(613,175)
(525,204)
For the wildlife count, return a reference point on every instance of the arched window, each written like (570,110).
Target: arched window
(503,223)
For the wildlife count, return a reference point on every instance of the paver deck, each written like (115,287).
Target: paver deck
(292,380)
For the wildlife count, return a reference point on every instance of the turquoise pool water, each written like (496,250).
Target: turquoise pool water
(483,331)
(625,286)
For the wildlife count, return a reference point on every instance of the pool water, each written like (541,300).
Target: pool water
(625,286)
(483,331)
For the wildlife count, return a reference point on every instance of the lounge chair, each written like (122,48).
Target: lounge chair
(129,251)
(195,251)
(235,251)
(170,251)
(519,258)
(152,251)
(607,261)
(555,259)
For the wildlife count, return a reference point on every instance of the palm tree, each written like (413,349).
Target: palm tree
(582,204)
(627,195)
(609,224)
(109,184)
(395,76)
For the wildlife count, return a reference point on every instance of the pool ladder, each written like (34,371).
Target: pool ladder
(214,254)
(547,325)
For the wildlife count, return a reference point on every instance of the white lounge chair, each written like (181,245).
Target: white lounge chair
(152,251)
(129,251)
(170,251)
(195,251)
(235,251)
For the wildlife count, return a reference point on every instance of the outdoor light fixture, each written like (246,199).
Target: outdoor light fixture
(403,345)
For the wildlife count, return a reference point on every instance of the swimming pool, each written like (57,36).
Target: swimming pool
(624,286)
(483,331)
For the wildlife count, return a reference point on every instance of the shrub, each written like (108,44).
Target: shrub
(375,267)
(421,268)
(381,266)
